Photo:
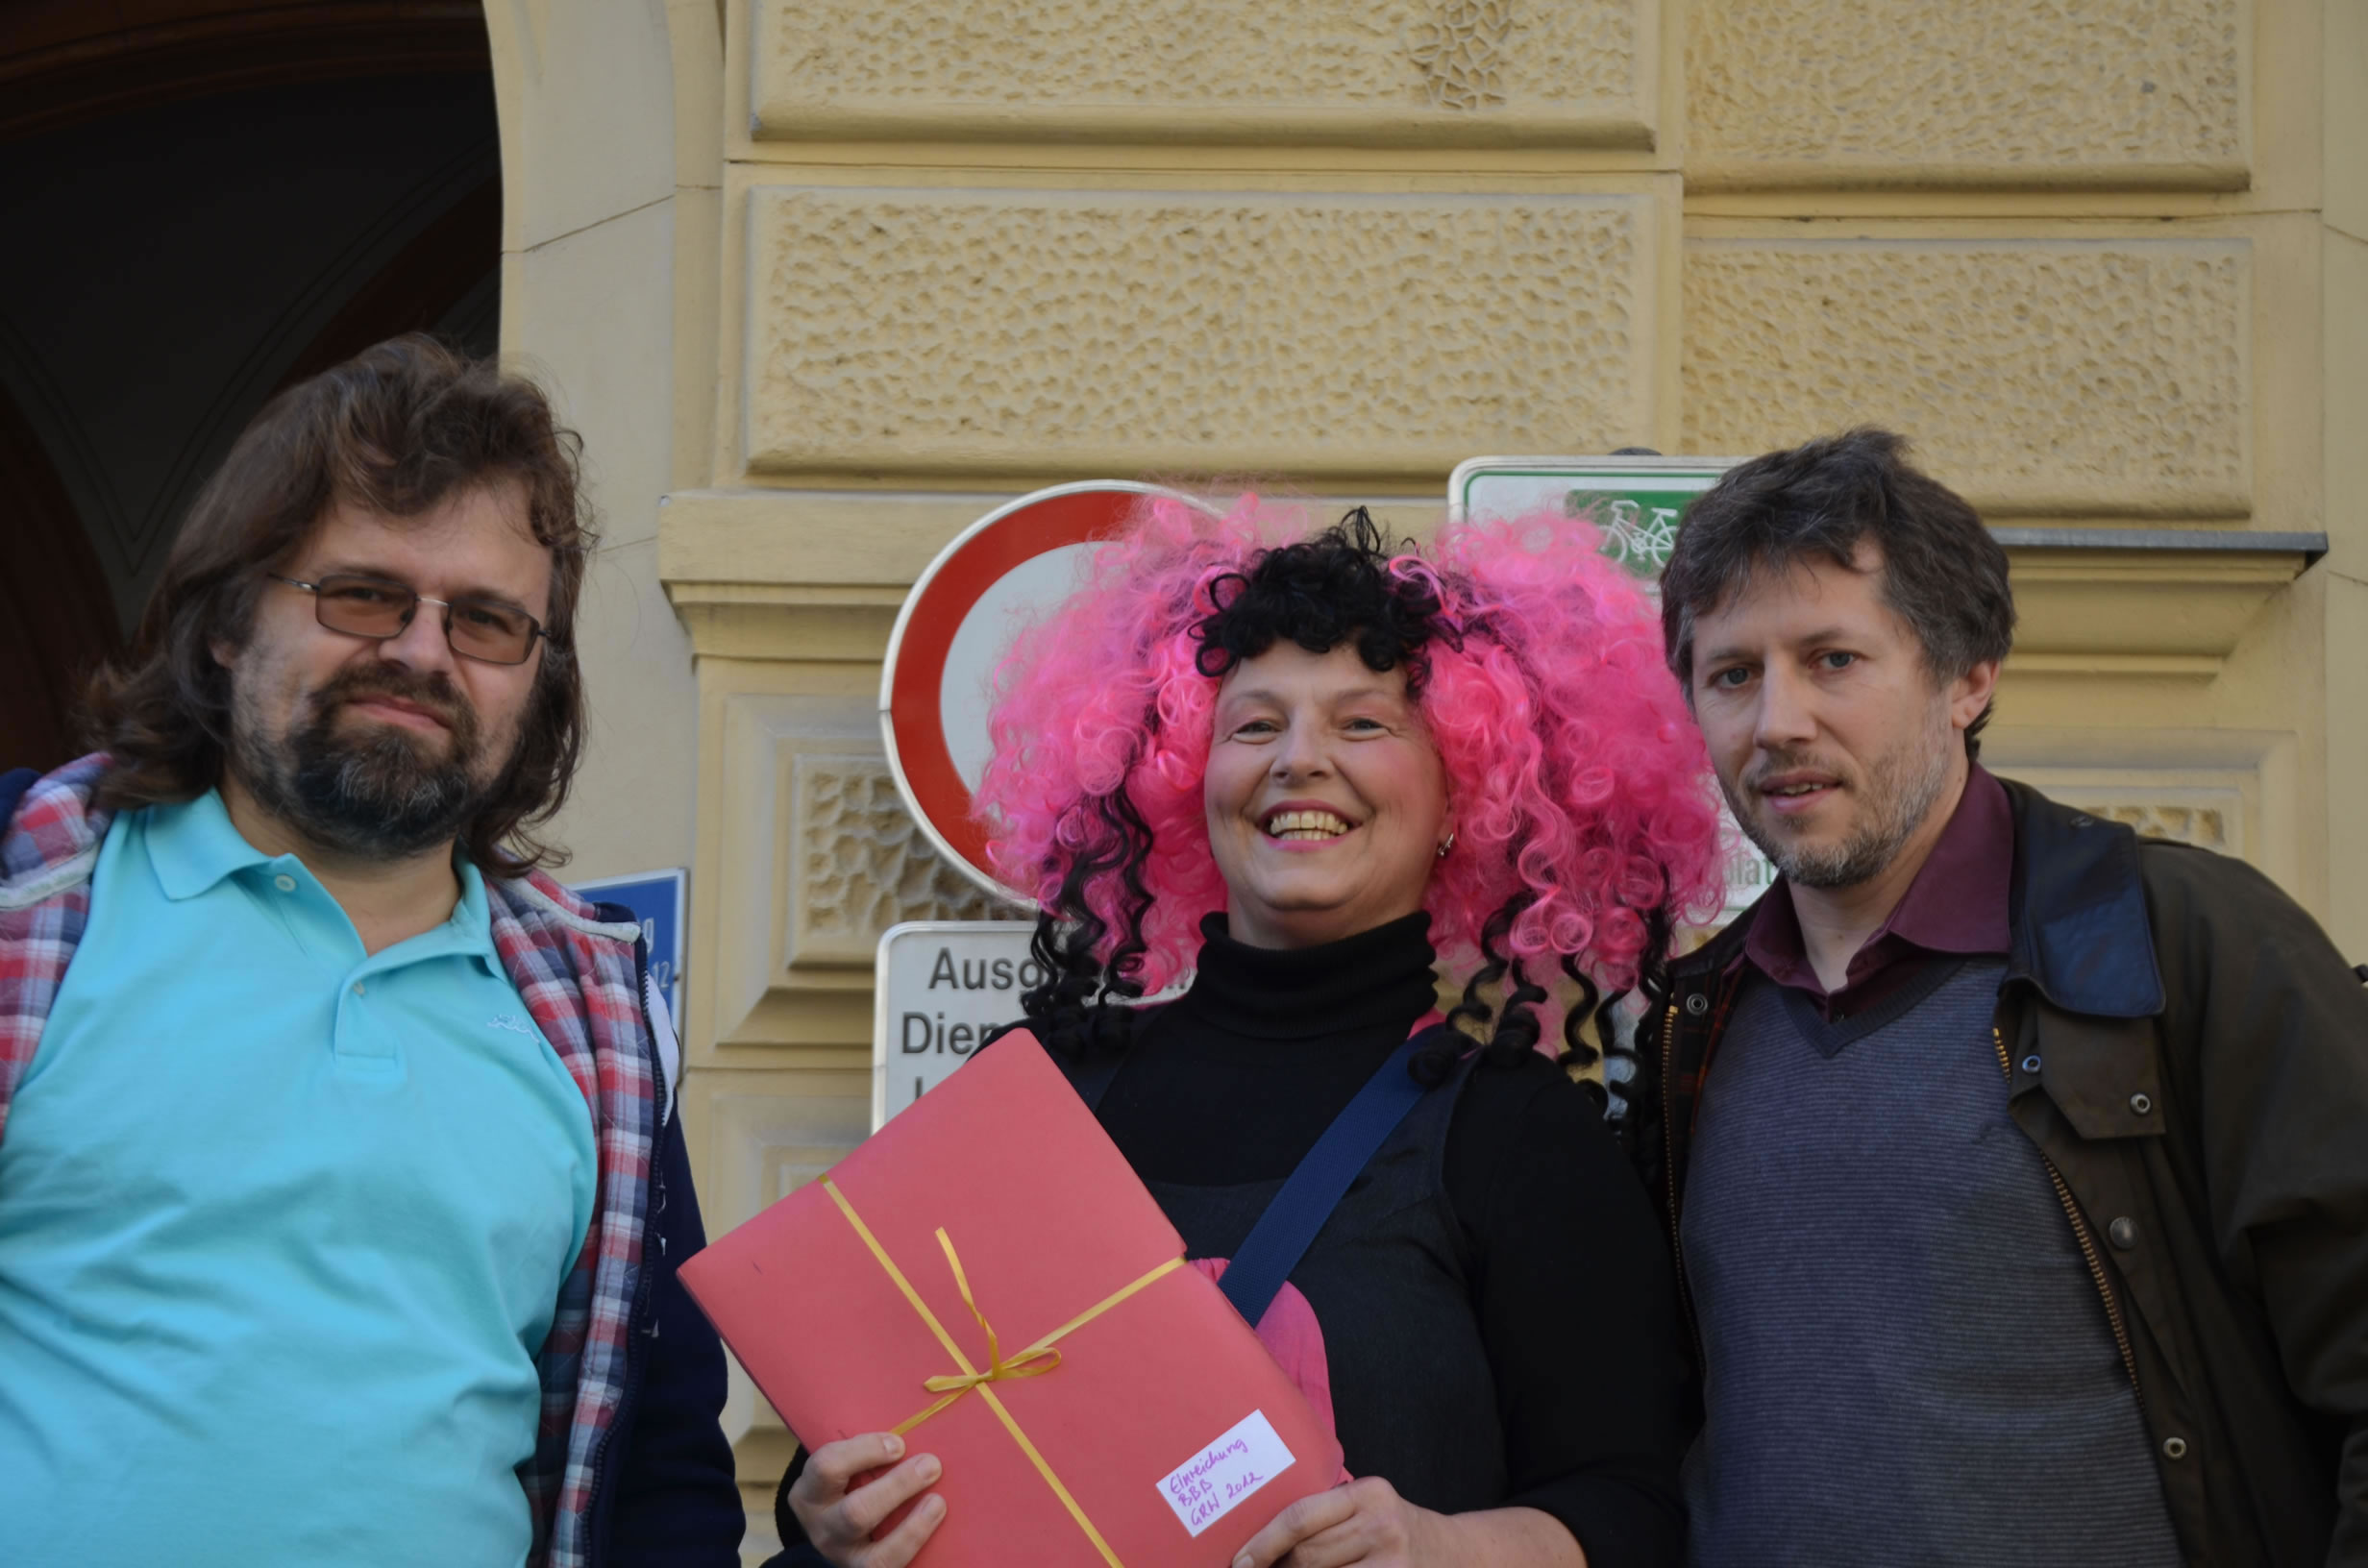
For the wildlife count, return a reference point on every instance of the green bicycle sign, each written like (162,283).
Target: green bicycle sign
(1637,501)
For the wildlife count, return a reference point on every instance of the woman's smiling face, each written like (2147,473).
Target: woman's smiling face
(1325,798)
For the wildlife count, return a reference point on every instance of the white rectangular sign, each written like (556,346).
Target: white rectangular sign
(1222,1477)
(942,987)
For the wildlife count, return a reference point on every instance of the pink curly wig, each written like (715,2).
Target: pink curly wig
(1580,785)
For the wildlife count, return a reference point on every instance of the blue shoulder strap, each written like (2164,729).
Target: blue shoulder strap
(13,787)
(1295,1216)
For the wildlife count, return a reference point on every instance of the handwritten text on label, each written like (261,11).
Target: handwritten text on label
(1210,1484)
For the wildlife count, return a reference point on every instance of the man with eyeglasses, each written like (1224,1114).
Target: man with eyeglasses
(340,1183)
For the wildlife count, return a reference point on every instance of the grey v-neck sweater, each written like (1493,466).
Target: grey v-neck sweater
(1907,1362)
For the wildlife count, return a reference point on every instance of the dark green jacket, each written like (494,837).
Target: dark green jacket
(2190,1054)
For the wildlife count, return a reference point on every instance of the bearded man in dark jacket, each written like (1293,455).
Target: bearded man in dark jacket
(2016,1165)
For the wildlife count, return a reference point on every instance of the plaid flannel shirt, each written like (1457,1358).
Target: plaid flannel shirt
(583,981)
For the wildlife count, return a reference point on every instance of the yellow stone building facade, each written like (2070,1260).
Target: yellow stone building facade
(821,280)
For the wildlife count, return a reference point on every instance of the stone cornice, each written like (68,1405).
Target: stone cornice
(820,575)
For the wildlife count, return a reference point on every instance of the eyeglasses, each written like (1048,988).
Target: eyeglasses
(484,630)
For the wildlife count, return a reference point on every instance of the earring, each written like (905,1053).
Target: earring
(1449,845)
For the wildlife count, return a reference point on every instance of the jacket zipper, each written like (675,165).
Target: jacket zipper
(1668,1173)
(1668,1177)
(2087,1242)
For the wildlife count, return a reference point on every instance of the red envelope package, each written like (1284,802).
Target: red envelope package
(988,1274)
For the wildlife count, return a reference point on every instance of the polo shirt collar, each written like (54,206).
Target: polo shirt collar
(471,920)
(195,844)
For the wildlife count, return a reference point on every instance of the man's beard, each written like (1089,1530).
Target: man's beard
(380,792)
(1899,792)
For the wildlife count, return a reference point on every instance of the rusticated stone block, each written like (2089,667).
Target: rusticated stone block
(2005,91)
(1503,71)
(2039,377)
(2205,826)
(862,865)
(1028,332)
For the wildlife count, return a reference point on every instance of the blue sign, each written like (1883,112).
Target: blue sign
(656,900)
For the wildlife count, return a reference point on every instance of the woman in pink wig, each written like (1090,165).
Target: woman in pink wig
(1308,773)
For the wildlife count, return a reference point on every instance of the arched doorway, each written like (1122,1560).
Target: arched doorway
(210,201)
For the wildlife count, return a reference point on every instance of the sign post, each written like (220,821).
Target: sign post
(1638,501)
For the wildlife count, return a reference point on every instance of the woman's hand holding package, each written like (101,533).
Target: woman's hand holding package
(1367,1522)
(838,1516)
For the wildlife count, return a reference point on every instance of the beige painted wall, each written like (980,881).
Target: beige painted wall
(823,281)
(603,179)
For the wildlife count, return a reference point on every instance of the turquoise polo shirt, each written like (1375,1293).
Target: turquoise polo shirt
(282,1227)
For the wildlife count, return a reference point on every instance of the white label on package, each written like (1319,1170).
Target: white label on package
(1208,1486)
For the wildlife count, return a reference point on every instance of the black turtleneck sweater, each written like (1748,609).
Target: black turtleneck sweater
(1572,1285)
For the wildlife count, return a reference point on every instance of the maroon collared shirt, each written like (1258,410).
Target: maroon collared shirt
(1956,904)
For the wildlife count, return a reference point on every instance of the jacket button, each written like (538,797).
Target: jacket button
(2122,1233)
(2141,1103)
(2174,1448)
(1697,1004)
(2031,1064)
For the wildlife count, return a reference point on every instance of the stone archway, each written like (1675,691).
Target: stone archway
(312,178)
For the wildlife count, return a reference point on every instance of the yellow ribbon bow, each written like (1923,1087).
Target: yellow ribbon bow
(1035,1360)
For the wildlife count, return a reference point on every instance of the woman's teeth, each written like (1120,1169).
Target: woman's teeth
(1305,824)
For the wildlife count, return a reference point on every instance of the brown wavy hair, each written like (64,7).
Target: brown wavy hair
(1942,572)
(396,430)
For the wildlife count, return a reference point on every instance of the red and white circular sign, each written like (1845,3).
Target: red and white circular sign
(961,618)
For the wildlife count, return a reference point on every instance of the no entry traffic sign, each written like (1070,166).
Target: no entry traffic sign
(1018,561)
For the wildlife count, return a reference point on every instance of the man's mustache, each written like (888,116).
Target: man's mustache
(1792,762)
(433,692)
